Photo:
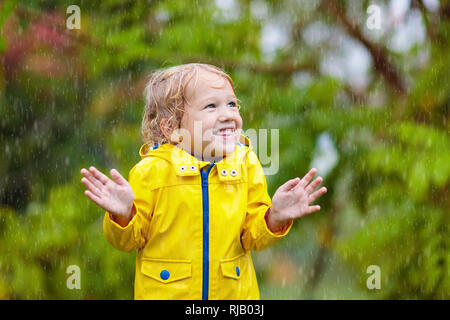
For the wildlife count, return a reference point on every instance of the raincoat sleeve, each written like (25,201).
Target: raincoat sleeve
(135,234)
(256,235)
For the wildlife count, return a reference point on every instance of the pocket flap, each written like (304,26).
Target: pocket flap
(229,172)
(166,270)
(231,268)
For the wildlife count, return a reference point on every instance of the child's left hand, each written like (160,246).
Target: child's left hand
(292,200)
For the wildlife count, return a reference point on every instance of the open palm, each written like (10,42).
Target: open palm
(115,196)
(292,199)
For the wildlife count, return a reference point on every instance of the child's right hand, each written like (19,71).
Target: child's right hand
(116,196)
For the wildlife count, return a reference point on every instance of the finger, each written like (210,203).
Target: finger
(91,187)
(93,197)
(288,185)
(312,209)
(307,178)
(118,178)
(88,175)
(100,176)
(317,194)
(313,185)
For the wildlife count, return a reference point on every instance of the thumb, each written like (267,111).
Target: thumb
(117,177)
(290,184)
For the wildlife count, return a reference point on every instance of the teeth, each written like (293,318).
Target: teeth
(225,131)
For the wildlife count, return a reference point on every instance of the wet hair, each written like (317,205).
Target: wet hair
(165,97)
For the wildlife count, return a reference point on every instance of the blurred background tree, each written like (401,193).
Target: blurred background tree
(367,106)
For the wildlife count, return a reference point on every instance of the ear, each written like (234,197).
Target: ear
(166,128)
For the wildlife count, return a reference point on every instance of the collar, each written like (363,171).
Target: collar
(186,164)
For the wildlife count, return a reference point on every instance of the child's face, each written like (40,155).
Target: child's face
(212,117)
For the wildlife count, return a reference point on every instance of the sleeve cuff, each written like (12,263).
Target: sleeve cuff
(113,220)
(284,231)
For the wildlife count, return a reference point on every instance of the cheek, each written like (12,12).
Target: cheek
(194,127)
(239,121)
(207,129)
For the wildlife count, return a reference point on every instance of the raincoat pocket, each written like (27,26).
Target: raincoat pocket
(166,270)
(232,268)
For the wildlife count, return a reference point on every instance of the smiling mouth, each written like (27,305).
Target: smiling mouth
(226,132)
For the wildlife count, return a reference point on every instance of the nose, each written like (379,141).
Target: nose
(226,113)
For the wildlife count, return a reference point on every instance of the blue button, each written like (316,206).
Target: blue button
(238,272)
(164,274)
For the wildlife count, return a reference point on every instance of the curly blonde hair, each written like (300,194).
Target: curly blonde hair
(165,97)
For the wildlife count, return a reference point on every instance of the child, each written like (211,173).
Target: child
(197,202)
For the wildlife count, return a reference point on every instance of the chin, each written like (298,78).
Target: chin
(224,149)
(221,147)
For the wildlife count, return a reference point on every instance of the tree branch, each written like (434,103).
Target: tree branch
(379,55)
(287,67)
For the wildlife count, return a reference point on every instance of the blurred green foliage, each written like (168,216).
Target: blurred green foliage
(74,98)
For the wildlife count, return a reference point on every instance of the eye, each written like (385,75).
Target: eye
(233,104)
(210,105)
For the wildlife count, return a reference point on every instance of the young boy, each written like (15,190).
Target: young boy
(197,203)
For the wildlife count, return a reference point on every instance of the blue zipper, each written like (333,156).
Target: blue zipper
(205,197)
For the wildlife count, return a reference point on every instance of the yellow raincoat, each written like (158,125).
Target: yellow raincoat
(195,224)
